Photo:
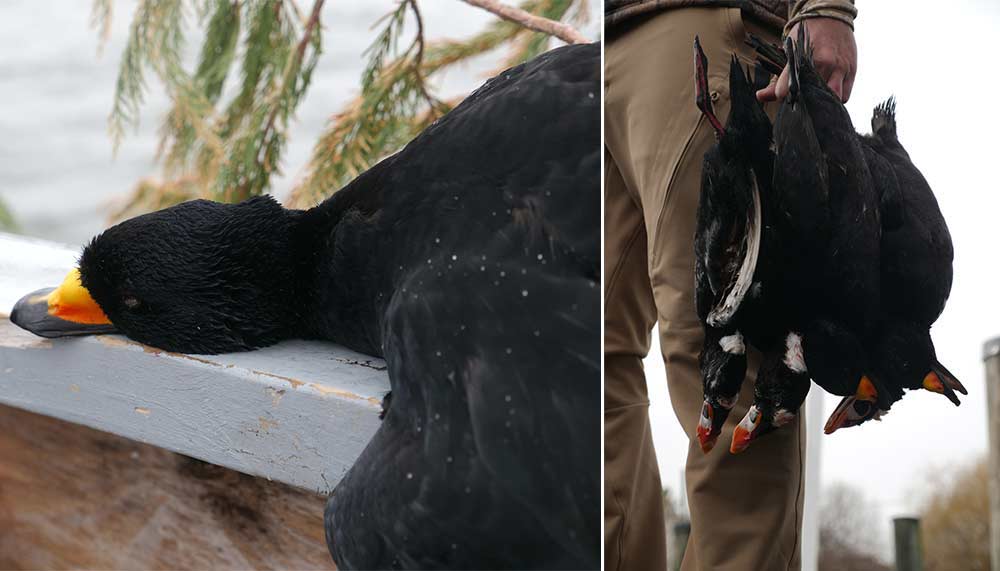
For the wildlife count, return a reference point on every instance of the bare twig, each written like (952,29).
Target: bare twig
(564,32)
(418,63)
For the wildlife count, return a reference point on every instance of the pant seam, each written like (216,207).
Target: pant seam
(621,535)
(616,273)
(625,406)
(798,498)
(673,177)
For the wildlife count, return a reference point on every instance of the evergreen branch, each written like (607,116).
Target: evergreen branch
(564,32)
(229,150)
(155,40)
(187,128)
(255,152)
(393,106)
(381,118)
(293,66)
(383,45)
(101,15)
(219,49)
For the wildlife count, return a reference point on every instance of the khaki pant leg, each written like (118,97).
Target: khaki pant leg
(745,509)
(634,532)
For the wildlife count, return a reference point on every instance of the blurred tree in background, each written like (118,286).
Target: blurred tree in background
(955,521)
(7,223)
(849,531)
(226,132)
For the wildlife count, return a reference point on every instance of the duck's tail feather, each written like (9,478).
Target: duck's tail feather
(729,303)
(803,45)
(761,77)
(770,56)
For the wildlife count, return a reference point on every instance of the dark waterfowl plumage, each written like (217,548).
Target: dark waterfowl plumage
(731,217)
(797,231)
(885,341)
(827,228)
(470,262)
(916,276)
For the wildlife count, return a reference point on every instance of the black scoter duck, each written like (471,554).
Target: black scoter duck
(736,174)
(826,219)
(916,274)
(469,260)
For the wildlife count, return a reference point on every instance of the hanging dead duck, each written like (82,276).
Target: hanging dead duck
(728,239)
(782,383)
(916,273)
(826,214)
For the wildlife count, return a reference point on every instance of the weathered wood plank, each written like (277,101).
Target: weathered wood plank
(299,412)
(73,497)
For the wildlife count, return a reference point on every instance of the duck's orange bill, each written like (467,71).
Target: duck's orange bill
(707,434)
(933,383)
(72,302)
(60,312)
(856,409)
(744,431)
(866,390)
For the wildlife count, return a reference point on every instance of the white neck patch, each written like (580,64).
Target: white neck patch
(794,359)
(782,417)
(726,403)
(733,344)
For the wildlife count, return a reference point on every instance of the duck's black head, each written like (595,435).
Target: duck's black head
(841,363)
(905,357)
(199,277)
(723,364)
(747,116)
(781,387)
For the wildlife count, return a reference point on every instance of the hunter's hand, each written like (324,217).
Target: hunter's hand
(835,56)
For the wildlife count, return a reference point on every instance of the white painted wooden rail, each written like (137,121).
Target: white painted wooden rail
(299,412)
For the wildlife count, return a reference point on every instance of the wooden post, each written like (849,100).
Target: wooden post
(909,552)
(678,543)
(991,359)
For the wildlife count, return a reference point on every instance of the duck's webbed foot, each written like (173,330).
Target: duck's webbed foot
(386,401)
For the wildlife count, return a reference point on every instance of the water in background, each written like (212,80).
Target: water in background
(57,171)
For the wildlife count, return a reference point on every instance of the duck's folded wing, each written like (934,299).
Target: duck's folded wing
(489,455)
(529,142)
(727,241)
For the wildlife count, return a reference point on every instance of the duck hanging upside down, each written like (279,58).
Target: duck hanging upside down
(469,260)
(864,260)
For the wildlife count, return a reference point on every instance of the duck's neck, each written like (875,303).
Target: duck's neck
(338,276)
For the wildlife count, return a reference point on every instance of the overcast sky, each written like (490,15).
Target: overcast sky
(940,63)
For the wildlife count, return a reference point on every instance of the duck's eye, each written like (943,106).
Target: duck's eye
(131,301)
